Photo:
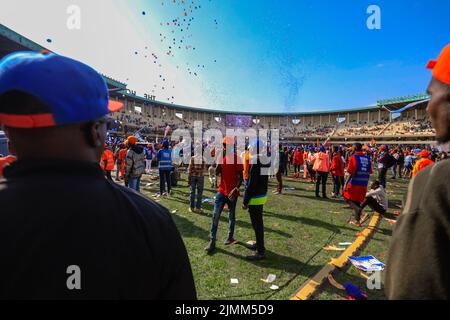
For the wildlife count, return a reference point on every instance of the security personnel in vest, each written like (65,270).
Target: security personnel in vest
(165,166)
(255,198)
(359,168)
(107,162)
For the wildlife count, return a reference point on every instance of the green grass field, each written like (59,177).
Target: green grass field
(297,226)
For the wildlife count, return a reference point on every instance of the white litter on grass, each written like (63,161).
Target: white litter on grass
(251,243)
(274,287)
(208,200)
(174,211)
(234,281)
(270,278)
(290,188)
(345,244)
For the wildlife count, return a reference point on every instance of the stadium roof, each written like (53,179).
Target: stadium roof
(11,41)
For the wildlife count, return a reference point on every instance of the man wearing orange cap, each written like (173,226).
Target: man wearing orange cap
(422,163)
(107,162)
(134,164)
(419,258)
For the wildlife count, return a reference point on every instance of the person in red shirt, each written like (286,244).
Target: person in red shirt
(231,176)
(122,158)
(4,162)
(359,168)
(337,171)
(298,161)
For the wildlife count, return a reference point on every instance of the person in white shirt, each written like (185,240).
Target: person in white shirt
(376,199)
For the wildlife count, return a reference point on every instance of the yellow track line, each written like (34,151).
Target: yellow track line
(310,287)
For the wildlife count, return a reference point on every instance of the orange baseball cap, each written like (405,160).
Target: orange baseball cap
(132,140)
(441,66)
(228,140)
(424,154)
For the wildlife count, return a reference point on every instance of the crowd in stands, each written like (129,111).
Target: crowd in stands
(360,129)
(413,127)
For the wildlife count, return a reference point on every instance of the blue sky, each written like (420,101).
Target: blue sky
(268,56)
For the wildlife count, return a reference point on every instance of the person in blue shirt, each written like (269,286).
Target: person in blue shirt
(149,152)
(409,164)
(165,166)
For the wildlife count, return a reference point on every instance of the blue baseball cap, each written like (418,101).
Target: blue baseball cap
(72,91)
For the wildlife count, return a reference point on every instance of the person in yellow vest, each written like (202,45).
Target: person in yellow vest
(255,198)
(107,162)
(422,163)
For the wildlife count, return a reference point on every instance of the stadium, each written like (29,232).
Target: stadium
(400,120)
(331,243)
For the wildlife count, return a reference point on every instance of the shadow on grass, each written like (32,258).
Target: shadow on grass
(209,208)
(275,261)
(309,221)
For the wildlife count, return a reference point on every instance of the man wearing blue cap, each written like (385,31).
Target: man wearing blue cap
(255,198)
(66,232)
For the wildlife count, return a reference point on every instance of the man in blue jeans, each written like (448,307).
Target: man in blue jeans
(134,164)
(165,167)
(196,179)
(231,174)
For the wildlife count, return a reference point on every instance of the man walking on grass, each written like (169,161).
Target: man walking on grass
(231,177)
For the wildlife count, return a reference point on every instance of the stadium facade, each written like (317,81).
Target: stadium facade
(401,120)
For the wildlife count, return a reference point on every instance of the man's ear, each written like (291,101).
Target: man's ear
(98,135)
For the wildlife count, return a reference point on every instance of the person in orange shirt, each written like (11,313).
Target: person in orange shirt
(107,162)
(422,163)
(305,165)
(122,156)
(298,161)
(322,167)
(246,164)
(4,162)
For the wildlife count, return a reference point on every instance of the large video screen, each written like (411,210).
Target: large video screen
(239,121)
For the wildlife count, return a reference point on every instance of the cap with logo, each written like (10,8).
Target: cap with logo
(72,91)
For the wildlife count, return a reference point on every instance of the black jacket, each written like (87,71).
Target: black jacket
(56,214)
(257,184)
(418,266)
